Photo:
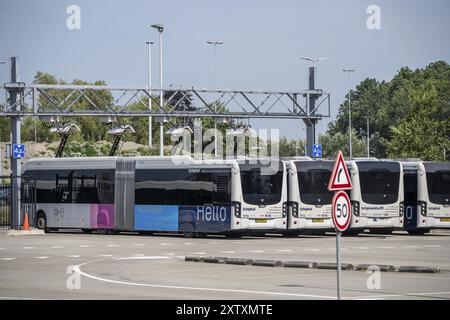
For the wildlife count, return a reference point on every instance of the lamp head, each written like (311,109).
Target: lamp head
(159,27)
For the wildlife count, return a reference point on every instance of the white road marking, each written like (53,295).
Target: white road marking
(385,248)
(433,246)
(85,246)
(284,250)
(43,257)
(28,248)
(73,256)
(188,243)
(57,247)
(404,295)
(256,251)
(106,255)
(311,249)
(226,251)
(113,245)
(137,254)
(360,248)
(198,253)
(18,298)
(7,259)
(251,292)
(139,244)
(166,244)
(2,248)
(169,254)
(409,247)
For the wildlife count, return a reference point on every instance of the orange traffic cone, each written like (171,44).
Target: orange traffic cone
(25,222)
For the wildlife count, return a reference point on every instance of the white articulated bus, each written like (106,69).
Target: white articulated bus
(263,194)
(377,195)
(158,194)
(427,196)
(308,196)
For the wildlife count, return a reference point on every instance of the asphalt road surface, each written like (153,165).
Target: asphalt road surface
(80,266)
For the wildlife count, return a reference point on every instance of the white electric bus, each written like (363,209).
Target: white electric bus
(308,196)
(377,195)
(427,196)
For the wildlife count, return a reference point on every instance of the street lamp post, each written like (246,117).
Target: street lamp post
(349,111)
(160,29)
(150,134)
(214,44)
(368,137)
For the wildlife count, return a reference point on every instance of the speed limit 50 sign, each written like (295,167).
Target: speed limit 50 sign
(341,211)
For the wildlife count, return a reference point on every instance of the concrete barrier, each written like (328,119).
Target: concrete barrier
(331,266)
(267,263)
(193,259)
(239,261)
(418,269)
(382,267)
(214,260)
(31,232)
(300,264)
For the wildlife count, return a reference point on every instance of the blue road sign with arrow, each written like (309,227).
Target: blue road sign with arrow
(18,151)
(317,151)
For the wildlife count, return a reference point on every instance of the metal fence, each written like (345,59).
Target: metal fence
(27,195)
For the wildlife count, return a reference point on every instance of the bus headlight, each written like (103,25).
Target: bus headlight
(285,207)
(355,208)
(237,209)
(401,209)
(423,208)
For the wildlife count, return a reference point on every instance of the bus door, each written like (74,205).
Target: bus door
(410,202)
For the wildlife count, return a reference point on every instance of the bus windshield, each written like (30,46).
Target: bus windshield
(313,184)
(379,182)
(439,187)
(260,189)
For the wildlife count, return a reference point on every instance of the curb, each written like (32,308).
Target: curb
(333,266)
(239,261)
(31,232)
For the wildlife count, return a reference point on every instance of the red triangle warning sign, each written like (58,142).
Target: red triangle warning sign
(340,179)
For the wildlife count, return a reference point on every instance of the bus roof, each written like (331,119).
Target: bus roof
(70,163)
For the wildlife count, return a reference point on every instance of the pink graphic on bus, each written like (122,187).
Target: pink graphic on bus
(102,216)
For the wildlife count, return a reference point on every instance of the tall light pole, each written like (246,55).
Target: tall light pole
(150,134)
(214,44)
(349,111)
(368,137)
(160,29)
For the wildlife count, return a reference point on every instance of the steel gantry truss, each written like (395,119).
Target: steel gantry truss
(64,100)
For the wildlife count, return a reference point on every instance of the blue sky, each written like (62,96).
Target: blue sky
(263,42)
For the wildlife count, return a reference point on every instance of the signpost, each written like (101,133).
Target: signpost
(340,209)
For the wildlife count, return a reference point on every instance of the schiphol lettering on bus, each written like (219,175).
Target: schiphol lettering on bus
(211,213)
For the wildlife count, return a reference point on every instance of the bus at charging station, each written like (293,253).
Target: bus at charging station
(309,198)
(427,196)
(159,194)
(377,195)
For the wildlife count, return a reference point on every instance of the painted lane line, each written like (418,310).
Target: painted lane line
(85,246)
(251,292)
(198,253)
(385,248)
(256,251)
(312,249)
(284,250)
(169,254)
(433,246)
(166,244)
(189,243)
(57,247)
(7,259)
(113,245)
(73,256)
(360,248)
(106,255)
(409,247)
(41,257)
(28,248)
(139,245)
(226,251)
(406,294)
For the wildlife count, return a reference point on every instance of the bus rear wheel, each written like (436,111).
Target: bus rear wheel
(41,221)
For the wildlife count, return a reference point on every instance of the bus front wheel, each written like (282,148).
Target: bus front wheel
(41,221)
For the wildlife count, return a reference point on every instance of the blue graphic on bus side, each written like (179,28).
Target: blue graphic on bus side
(156,217)
(204,218)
